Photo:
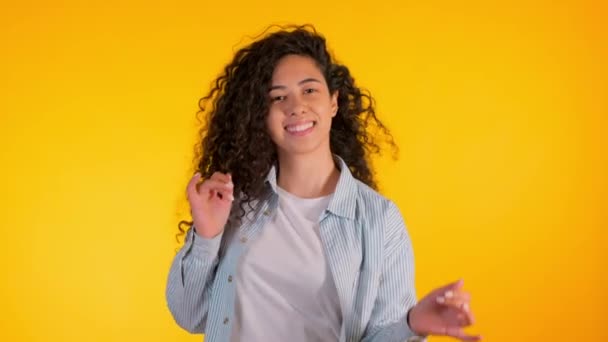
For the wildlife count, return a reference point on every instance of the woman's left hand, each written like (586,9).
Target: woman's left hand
(444,312)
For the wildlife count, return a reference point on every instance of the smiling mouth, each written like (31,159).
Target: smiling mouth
(299,128)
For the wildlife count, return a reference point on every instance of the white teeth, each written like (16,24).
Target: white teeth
(299,128)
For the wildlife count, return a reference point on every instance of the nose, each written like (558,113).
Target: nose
(297,106)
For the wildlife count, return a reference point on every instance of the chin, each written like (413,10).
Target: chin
(300,150)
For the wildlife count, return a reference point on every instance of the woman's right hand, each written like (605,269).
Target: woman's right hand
(210,203)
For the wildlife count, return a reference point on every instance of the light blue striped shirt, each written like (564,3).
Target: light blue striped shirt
(368,251)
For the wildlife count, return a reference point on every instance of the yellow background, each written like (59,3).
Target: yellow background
(500,111)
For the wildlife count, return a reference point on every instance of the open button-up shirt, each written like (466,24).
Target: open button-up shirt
(368,251)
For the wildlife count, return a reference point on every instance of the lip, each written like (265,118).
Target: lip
(302,122)
(300,133)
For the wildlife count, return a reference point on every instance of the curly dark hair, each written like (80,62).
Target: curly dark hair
(233,134)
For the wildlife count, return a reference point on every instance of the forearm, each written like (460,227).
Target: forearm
(396,292)
(190,279)
(398,331)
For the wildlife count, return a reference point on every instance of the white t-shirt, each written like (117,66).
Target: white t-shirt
(284,288)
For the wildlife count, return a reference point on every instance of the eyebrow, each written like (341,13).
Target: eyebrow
(306,80)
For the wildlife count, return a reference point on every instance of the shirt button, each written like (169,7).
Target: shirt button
(243,239)
(266,212)
(230,279)
(226,320)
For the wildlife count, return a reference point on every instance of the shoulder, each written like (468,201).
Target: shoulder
(379,213)
(371,203)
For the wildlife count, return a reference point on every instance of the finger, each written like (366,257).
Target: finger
(463,320)
(460,334)
(227,180)
(446,330)
(222,177)
(454,286)
(454,298)
(465,316)
(466,337)
(464,311)
(216,185)
(191,188)
(222,195)
(470,316)
(221,189)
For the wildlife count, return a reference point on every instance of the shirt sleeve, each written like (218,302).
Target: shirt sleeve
(190,279)
(396,292)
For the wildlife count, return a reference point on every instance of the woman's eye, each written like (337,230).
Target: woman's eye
(278,98)
(309,90)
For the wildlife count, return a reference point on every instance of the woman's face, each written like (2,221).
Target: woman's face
(301,107)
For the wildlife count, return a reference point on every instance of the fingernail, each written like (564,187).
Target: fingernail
(230,185)
(231,198)
(449,294)
(465,306)
(440,300)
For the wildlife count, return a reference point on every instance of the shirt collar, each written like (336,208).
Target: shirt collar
(343,201)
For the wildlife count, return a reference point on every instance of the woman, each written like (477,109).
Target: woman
(290,241)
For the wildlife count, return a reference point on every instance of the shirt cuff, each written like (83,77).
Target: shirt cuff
(413,337)
(203,247)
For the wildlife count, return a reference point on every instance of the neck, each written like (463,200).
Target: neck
(308,176)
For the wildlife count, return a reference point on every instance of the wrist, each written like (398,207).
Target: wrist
(408,318)
(411,321)
(203,234)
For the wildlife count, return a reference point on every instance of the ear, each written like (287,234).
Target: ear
(334,103)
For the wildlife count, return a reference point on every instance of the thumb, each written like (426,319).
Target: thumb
(457,285)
